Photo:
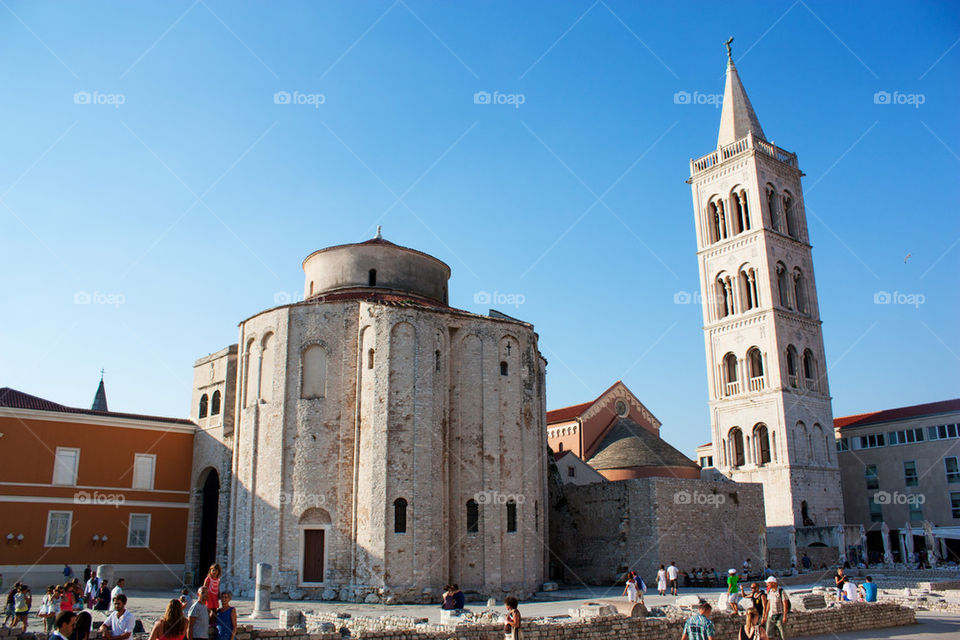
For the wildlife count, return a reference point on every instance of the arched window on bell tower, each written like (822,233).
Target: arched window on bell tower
(735,438)
(799,291)
(755,369)
(790,213)
(783,286)
(738,207)
(731,381)
(792,366)
(773,207)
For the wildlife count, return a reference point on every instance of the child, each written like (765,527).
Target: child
(512,626)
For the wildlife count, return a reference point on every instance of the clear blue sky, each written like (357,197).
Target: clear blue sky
(193,202)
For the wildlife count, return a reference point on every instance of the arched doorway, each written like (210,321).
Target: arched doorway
(209,509)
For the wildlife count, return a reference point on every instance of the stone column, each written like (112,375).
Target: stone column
(105,572)
(931,543)
(908,539)
(842,544)
(943,549)
(261,601)
(885,534)
(793,546)
(864,554)
(764,556)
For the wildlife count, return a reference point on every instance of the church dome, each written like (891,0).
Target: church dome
(376,265)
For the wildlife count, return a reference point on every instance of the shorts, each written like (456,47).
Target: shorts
(672,583)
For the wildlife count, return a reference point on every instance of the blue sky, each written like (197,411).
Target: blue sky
(145,166)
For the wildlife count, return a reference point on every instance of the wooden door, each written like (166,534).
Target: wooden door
(313,555)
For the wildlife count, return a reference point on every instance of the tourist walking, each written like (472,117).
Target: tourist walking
(227,618)
(64,623)
(90,589)
(631,590)
(81,628)
(699,626)
(120,623)
(778,606)
(751,629)
(172,626)
(21,606)
(733,591)
(67,597)
(9,609)
(672,575)
(48,609)
(511,628)
(662,581)
(199,617)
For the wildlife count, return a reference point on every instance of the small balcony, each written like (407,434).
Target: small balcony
(732,388)
(757,383)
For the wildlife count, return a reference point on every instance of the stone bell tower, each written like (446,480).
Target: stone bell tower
(770,411)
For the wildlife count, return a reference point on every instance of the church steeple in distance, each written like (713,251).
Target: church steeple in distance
(100,398)
(737,117)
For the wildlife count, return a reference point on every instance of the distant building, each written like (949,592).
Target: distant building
(86,486)
(618,436)
(901,478)
(705,456)
(573,470)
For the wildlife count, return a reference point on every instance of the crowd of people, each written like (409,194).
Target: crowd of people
(66,610)
(765,613)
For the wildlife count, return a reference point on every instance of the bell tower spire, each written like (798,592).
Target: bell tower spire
(737,117)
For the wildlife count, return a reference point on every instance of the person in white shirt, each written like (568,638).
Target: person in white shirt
(90,590)
(65,622)
(850,591)
(672,575)
(119,625)
(117,590)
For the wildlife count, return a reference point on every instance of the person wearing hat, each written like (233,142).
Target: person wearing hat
(778,606)
(733,591)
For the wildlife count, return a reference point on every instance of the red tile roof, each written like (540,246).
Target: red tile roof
(900,413)
(575,411)
(13,399)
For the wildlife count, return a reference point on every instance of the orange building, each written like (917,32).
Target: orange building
(618,437)
(86,486)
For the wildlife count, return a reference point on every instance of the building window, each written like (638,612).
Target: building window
(809,369)
(955,504)
(773,208)
(202,413)
(871,441)
(790,213)
(370,359)
(58,528)
(215,403)
(436,359)
(916,511)
(313,372)
(511,517)
(65,466)
(910,478)
(144,465)
(908,436)
(571,472)
(791,365)
(876,510)
(783,287)
(736,447)
(762,440)
(755,369)
(942,431)
(732,382)
(399,515)
(504,368)
(138,534)
(799,291)
(953,472)
(870,475)
(843,445)
(372,277)
(560,448)
(473,516)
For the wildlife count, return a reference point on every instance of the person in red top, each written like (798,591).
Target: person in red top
(212,583)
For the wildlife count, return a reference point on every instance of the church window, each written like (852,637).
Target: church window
(773,208)
(372,277)
(755,362)
(311,288)
(560,448)
(738,200)
(789,212)
(762,440)
(504,368)
(748,288)
(203,406)
(313,372)
(714,220)
(809,369)
(473,516)
(370,359)
(783,287)
(511,517)
(215,403)
(791,366)
(732,382)
(399,515)
(799,293)
(736,447)
(267,353)
(436,359)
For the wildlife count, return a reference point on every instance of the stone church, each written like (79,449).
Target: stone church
(371,442)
